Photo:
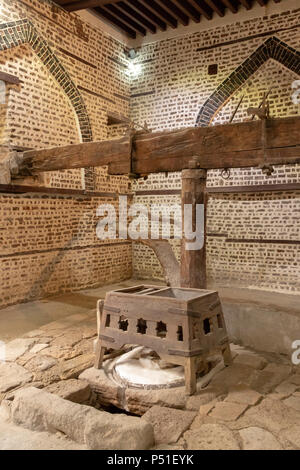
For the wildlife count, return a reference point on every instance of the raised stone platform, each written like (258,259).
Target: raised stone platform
(262,320)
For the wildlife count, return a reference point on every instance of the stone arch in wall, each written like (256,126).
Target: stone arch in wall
(272,48)
(24,32)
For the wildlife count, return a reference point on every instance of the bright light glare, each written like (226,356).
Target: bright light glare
(134,69)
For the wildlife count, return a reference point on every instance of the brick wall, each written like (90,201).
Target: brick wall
(69,80)
(44,248)
(170,93)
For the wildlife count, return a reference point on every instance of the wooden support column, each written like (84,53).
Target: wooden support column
(193,262)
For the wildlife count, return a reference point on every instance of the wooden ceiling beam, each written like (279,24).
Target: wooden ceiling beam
(190,9)
(137,5)
(84,4)
(217,6)
(232,5)
(161,12)
(204,9)
(119,14)
(173,9)
(137,16)
(246,3)
(105,14)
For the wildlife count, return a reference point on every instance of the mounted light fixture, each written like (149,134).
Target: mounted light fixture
(134,69)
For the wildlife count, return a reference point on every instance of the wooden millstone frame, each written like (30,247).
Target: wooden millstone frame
(183,326)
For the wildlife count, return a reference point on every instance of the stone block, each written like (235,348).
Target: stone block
(77,391)
(12,376)
(39,410)
(243,395)
(254,438)
(168,424)
(225,411)
(17,347)
(251,360)
(211,437)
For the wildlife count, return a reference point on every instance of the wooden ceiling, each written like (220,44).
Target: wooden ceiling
(140,17)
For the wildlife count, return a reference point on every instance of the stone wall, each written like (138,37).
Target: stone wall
(253,238)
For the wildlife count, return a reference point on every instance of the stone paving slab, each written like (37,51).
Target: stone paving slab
(12,376)
(225,411)
(168,423)
(211,437)
(255,438)
(243,395)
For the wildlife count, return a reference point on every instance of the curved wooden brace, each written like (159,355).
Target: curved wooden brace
(167,259)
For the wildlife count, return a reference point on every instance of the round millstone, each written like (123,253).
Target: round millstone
(141,368)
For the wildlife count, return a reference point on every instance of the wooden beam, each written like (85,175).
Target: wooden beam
(190,9)
(246,3)
(225,146)
(137,5)
(217,6)
(193,262)
(8,78)
(101,12)
(205,10)
(231,5)
(90,154)
(119,14)
(161,12)
(137,16)
(173,9)
(84,4)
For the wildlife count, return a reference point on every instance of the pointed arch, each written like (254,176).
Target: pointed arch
(272,48)
(24,32)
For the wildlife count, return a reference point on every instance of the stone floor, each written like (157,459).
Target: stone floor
(253,404)
(17,320)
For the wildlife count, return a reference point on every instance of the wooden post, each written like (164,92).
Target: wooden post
(193,262)
(190,371)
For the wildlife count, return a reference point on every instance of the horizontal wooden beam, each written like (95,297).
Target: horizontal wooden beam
(90,154)
(254,188)
(84,4)
(8,78)
(22,190)
(211,190)
(225,146)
